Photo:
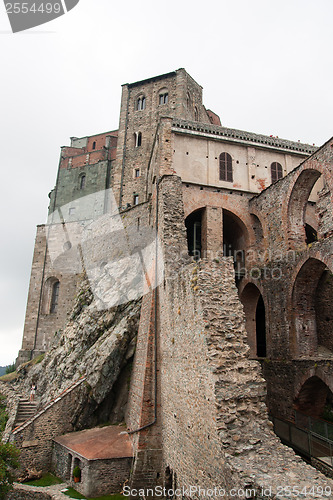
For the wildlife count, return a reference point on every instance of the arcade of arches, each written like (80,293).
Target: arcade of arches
(289,319)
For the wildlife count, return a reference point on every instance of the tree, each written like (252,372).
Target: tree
(8,461)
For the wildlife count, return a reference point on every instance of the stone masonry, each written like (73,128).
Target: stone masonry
(239,327)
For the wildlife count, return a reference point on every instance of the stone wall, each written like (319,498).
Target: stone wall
(40,324)
(184,100)
(34,438)
(18,493)
(98,477)
(215,429)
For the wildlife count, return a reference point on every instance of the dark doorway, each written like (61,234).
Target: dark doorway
(261,328)
(193,227)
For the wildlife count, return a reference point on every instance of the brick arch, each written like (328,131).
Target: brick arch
(302,181)
(304,334)
(250,294)
(312,372)
(312,396)
(239,226)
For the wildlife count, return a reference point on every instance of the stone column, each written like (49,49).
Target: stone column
(212,232)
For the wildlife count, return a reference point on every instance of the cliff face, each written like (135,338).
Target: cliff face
(96,344)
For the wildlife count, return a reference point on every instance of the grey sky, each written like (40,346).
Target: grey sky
(265,67)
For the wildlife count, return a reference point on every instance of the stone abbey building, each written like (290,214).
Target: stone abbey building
(246,231)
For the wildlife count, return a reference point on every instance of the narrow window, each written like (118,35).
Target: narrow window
(188,100)
(164,98)
(137,139)
(82,181)
(94,145)
(55,297)
(137,172)
(136,199)
(141,103)
(226,167)
(196,114)
(276,171)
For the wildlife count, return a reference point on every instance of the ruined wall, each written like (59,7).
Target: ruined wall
(294,279)
(215,429)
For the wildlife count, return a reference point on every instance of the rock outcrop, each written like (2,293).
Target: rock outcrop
(95,344)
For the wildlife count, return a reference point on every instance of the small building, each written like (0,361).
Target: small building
(104,456)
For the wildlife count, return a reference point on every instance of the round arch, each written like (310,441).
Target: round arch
(295,208)
(235,236)
(312,319)
(50,295)
(255,319)
(313,397)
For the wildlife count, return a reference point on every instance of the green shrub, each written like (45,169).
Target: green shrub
(3,414)
(8,461)
(77,472)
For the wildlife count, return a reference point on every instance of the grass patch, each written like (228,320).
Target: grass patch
(47,480)
(9,377)
(75,494)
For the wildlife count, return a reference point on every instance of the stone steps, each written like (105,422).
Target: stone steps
(26,410)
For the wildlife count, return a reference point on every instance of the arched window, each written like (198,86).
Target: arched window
(94,145)
(141,103)
(196,114)
(188,100)
(276,171)
(82,181)
(225,167)
(163,99)
(55,297)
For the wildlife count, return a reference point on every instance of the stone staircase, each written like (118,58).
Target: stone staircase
(26,410)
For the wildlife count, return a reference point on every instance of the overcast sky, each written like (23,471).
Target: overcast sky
(265,66)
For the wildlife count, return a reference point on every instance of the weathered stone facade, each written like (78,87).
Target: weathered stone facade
(245,228)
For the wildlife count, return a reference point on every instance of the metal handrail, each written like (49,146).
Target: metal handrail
(315,426)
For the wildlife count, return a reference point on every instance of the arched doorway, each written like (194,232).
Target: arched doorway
(235,241)
(193,224)
(315,399)
(255,317)
(312,310)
